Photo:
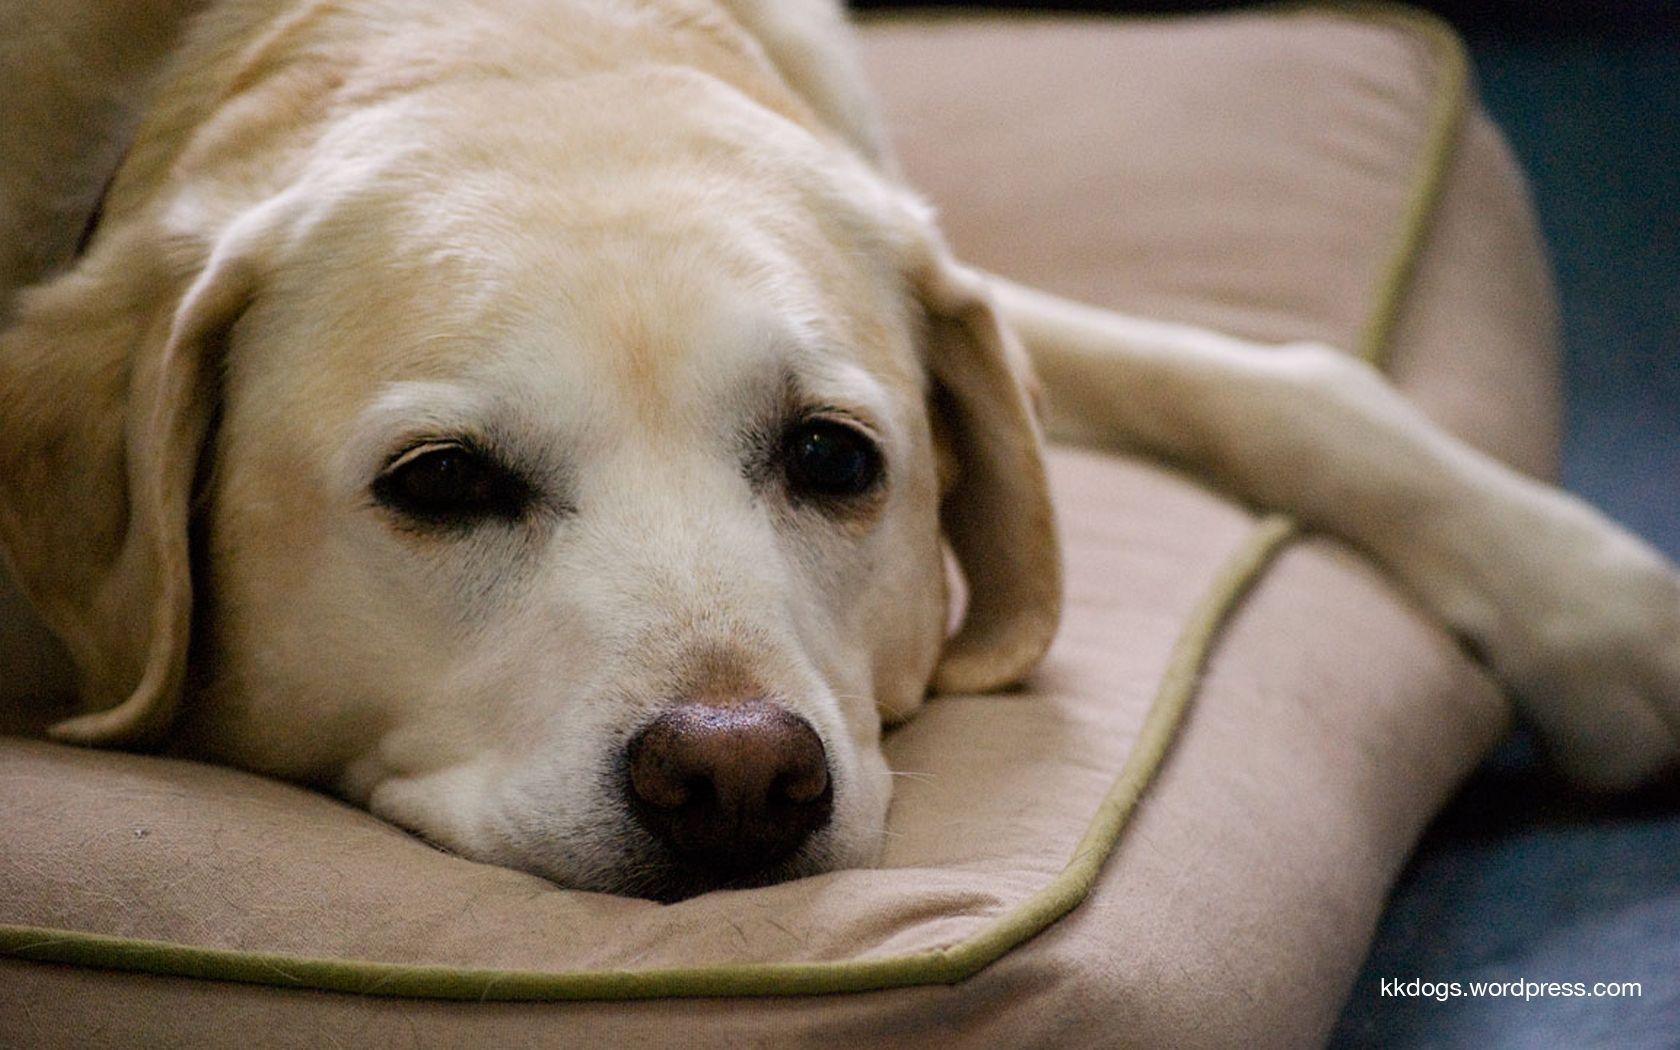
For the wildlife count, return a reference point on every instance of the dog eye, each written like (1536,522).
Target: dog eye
(448,483)
(825,459)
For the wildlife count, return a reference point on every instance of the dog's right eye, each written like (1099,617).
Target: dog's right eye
(448,483)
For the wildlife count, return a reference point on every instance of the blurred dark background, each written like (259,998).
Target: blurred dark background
(1521,878)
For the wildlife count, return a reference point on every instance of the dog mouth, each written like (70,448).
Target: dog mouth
(689,799)
(652,872)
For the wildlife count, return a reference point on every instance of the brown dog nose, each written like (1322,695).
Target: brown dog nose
(729,790)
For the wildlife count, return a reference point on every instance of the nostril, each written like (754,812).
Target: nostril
(729,789)
(656,781)
(807,784)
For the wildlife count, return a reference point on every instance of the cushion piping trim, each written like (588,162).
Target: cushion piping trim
(947,965)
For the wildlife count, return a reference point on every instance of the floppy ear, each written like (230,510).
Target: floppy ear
(995,504)
(110,375)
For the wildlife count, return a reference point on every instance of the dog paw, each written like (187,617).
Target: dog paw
(1593,654)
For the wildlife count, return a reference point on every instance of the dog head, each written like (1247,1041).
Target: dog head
(582,517)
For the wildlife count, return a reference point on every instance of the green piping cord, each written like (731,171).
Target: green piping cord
(948,965)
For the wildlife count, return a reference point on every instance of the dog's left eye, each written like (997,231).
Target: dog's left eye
(830,460)
(448,483)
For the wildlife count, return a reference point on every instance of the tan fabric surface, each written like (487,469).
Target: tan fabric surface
(1247,172)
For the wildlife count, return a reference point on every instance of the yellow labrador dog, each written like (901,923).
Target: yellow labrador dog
(542,422)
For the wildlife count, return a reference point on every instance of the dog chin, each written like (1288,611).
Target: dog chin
(653,874)
(641,868)
(610,855)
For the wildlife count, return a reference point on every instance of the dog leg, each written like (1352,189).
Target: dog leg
(1578,616)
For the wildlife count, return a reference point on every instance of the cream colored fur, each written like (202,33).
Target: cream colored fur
(612,237)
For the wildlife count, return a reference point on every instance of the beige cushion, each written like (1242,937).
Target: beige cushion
(1258,172)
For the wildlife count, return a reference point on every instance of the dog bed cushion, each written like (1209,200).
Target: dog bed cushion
(1179,834)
